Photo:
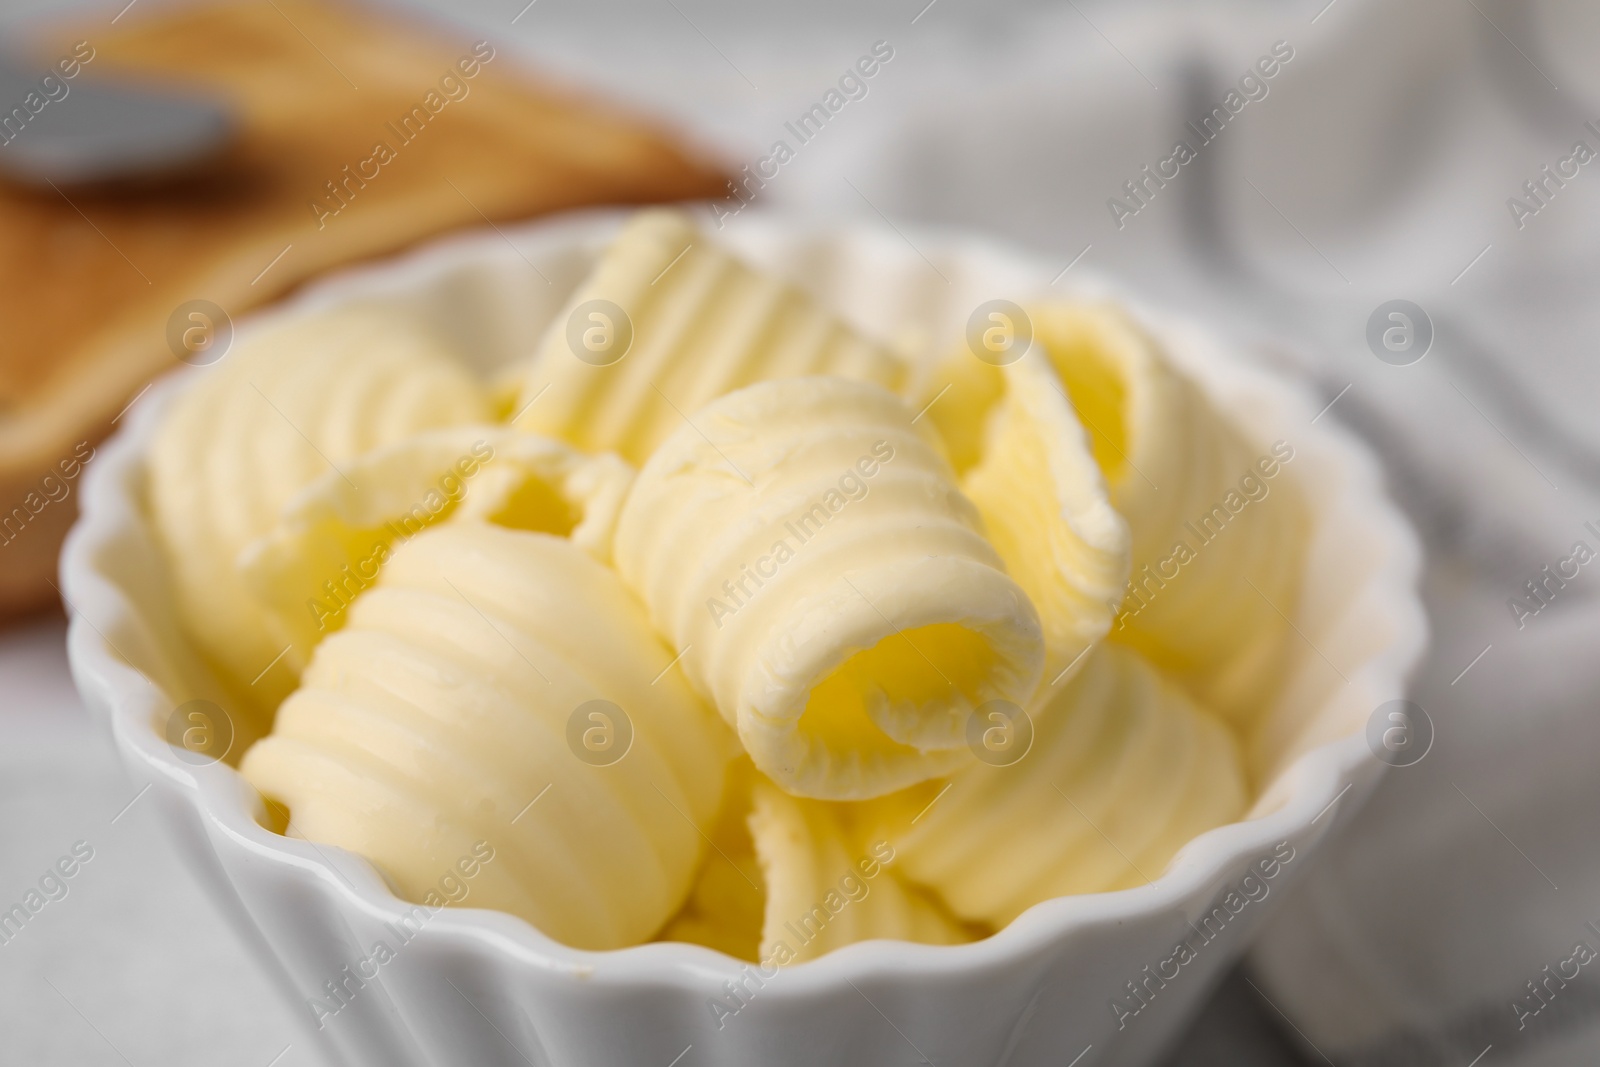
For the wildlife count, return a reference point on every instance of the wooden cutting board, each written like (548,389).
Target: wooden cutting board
(361,133)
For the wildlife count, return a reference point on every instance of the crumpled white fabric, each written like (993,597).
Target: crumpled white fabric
(1378,166)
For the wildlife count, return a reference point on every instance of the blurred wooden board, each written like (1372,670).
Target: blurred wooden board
(89,280)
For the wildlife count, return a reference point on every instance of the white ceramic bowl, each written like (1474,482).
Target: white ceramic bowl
(482,987)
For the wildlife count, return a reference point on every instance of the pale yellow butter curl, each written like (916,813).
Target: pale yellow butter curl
(294,402)
(827,888)
(443,714)
(682,322)
(1123,770)
(1216,573)
(331,539)
(789,879)
(1044,506)
(804,546)
(727,903)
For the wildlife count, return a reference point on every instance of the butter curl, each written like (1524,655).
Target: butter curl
(804,545)
(443,714)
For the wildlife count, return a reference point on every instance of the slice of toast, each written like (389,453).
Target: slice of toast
(359,134)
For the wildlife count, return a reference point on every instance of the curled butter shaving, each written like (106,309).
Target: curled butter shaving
(803,544)
(332,538)
(296,401)
(825,890)
(1215,573)
(1045,508)
(442,715)
(1124,769)
(667,322)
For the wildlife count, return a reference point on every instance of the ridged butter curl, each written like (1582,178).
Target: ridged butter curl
(442,715)
(1045,507)
(826,888)
(1218,542)
(666,322)
(332,538)
(804,547)
(790,879)
(1123,770)
(298,400)
(727,903)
